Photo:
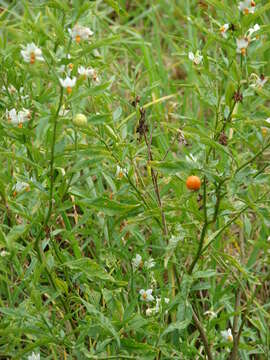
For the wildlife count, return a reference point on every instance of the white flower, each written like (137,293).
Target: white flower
(242,45)
(146,295)
(62,68)
(21,91)
(11,89)
(79,33)
(20,186)
(268,120)
(12,116)
(211,313)
(166,300)
(136,262)
(227,335)
(195,58)
(120,172)
(31,53)
(63,111)
(253,29)
(223,30)
(17,118)
(149,264)
(149,312)
(247,6)
(158,307)
(4,253)
(89,72)
(68,83)
(34,356)
(96,53)
(258,82)
(23,116)
(86,72)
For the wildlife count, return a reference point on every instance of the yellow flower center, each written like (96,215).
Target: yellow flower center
(252,3)
(222,29)
(32,58)
(78,39)
(230,338)
(20,125)
(246,11)
(69,90)
(144,296)
(70,66)
(243,51)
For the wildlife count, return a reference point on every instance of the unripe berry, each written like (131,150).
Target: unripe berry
(80,120)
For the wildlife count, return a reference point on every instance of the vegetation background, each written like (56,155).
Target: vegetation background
(95,209)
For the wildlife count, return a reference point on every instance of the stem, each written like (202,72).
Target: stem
(154,175)
(203,335)
(235,326)
(244,318)
(253,158)
(203,233)
(37,241)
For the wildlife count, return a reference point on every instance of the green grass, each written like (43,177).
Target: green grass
(79,202)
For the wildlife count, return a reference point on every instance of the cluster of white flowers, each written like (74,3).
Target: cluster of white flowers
(18,118)
(31,53)
(246,7)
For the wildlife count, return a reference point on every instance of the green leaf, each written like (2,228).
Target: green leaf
(178,325)
(103,321)
(90,268)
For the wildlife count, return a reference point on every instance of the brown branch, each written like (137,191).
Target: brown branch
(154,175)
(203,335)
(234,350)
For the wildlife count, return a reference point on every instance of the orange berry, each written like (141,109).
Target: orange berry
(193,183)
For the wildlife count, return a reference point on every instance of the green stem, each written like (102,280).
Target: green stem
(204,230)
(38,237)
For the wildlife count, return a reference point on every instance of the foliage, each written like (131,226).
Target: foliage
(105,252)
